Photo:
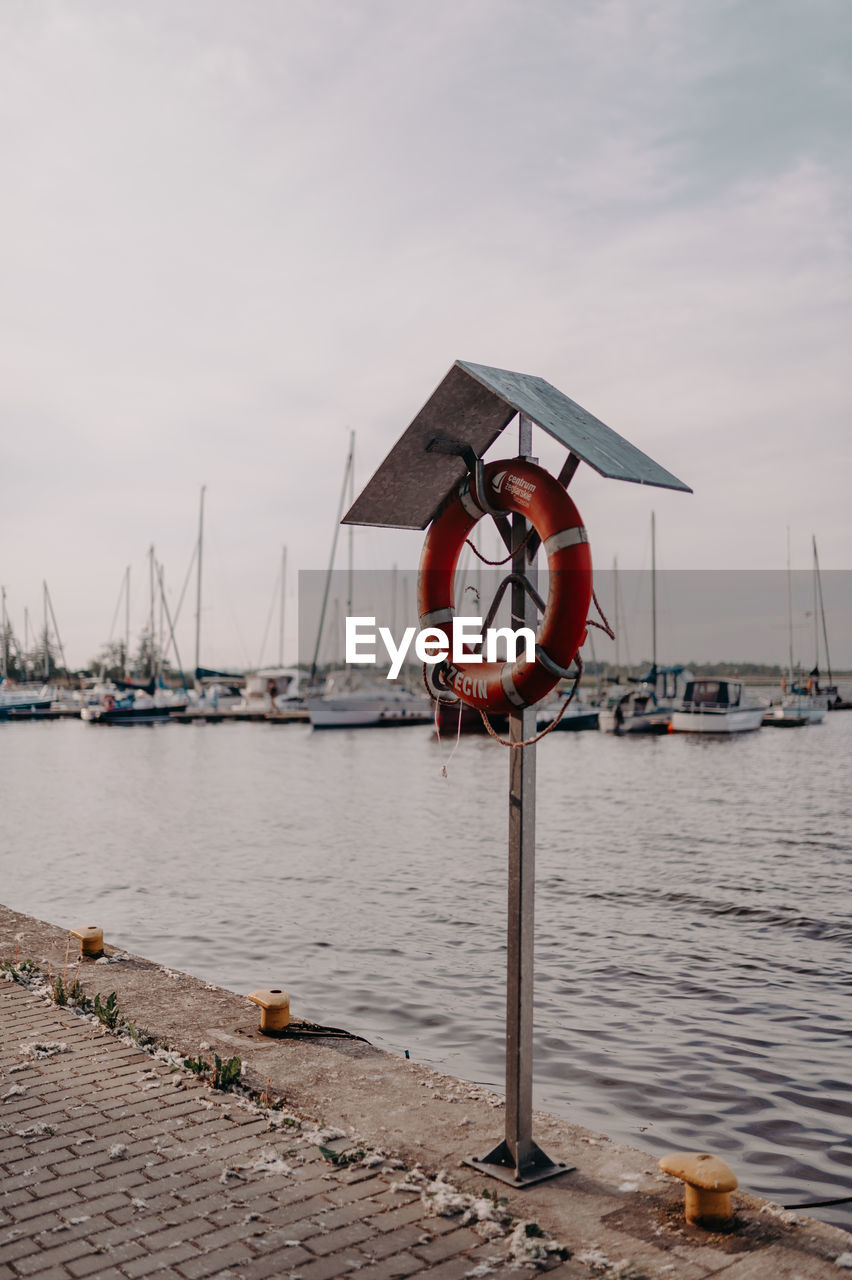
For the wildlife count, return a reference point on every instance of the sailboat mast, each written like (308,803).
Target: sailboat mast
(198,581)
(152,671)
(789,609)
(816,618)
(818,582)
(127,623)
(281,613)
(346,484)
(617,617)
(654,592)
(351,529)
(4,659)
(46,648)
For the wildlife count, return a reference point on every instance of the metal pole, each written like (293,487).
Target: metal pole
(521,919)
(518,1160)
(5,659)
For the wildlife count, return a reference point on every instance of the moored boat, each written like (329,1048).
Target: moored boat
(633,709)
(131,706)
(716,705)
(26,698)
(577,716)
(369,708)
(799,706)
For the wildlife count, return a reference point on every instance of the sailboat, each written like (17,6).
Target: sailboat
(26,699)
(799,704)
(645,705)
(131,701)
(835,701)
(379,704)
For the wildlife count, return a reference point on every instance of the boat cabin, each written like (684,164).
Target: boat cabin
(713,693)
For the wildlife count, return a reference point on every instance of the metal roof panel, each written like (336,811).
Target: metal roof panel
(473,404)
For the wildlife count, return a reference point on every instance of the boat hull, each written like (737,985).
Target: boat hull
(25,710)
(725,720)
(654,722)
(368,713)
(126,715)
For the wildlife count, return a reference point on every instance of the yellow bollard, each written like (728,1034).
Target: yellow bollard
(274,1009)
(91,939)
(708,1183)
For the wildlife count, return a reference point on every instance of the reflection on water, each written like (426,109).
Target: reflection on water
(693,939)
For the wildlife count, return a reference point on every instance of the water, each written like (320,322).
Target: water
(693,939)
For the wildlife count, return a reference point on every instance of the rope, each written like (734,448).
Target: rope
(440,702)
(528,742)
(495,563)
(449,758)
(606,627)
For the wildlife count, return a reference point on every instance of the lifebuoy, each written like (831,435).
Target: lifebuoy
(523,487)
(108,703)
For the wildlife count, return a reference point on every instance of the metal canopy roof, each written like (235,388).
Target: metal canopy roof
(472,405)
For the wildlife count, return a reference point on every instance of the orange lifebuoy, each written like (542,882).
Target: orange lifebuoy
(108,702)
(520,486)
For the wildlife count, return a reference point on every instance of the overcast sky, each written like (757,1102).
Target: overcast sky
(231,232)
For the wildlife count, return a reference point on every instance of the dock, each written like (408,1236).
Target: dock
(196,715)
(331,1158)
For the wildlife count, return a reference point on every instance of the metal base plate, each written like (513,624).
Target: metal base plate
(500,1164)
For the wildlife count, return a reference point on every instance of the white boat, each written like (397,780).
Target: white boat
(799,706)
(647,705)
(272,689)
(633,709)
(19,698)
(716,706)
(369,708)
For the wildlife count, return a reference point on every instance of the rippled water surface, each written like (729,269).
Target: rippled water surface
(693,932)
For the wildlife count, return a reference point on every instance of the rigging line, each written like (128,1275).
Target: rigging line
(185,583)
(121,592)
(56,628)
(272,604)
(229,603)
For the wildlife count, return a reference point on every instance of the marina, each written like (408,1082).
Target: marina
(456,370)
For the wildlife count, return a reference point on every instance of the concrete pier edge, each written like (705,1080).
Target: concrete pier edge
(616,1210)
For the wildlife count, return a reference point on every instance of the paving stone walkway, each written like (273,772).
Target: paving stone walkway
(114,1165)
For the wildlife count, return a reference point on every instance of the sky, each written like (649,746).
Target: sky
(232,233)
